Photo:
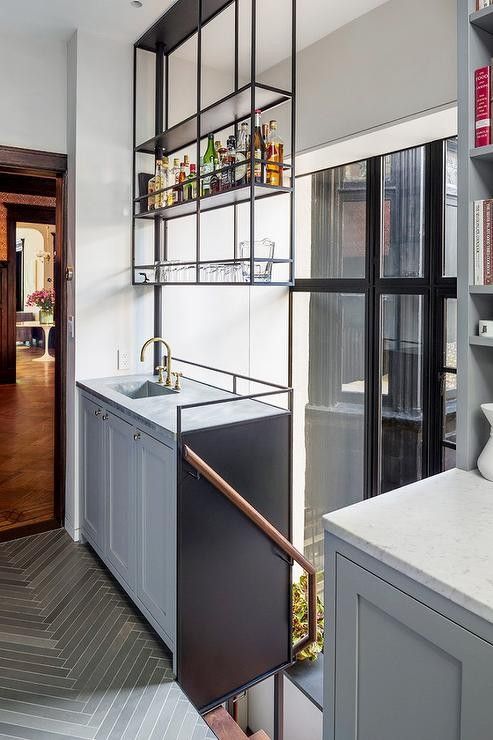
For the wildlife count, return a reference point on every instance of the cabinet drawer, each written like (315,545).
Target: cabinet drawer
(402,670)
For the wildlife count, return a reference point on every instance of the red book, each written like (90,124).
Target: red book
(482,80)
(488,242)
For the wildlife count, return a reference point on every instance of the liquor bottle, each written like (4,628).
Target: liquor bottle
(275,153)
(242,155)
(175,176)
(216,177)
(159,185)
(151,188)
(163,197)
(258,148)
(190,187)
(182,176)
(228,164)
(208,165)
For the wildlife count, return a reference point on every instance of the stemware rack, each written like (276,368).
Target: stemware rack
(188,20)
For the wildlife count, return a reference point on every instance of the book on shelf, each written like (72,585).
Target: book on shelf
(480,4)
(483,242)
(483,90)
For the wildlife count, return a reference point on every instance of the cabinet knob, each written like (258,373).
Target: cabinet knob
(98,412)
(137,436)
(105,417)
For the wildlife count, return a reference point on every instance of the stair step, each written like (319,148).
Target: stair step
(225,728)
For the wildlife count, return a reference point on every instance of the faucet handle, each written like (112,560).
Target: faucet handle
(177,381)
(160,380)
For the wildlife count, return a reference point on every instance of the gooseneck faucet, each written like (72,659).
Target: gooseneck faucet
(160,368)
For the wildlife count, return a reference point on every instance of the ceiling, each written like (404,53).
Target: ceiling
(58,19)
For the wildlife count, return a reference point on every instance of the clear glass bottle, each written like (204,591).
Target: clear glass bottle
(242,155)
(274,153)
(159,185)
(175,176)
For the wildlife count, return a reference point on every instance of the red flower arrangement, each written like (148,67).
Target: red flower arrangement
(43,299)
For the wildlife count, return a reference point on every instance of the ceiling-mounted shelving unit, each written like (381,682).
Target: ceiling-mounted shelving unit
(175,55)
(475,353)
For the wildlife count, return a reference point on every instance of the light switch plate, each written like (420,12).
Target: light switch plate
(123,360)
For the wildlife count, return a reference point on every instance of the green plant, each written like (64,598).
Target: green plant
(300,620)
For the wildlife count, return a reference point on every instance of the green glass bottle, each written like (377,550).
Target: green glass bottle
(209,157)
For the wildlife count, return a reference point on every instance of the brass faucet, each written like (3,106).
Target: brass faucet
(160,368)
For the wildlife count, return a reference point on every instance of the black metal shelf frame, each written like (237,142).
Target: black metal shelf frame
(184,20)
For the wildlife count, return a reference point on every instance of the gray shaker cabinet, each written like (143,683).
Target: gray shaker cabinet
(156,525)
(128,501)
(399,669)
(120,497)
(92,472)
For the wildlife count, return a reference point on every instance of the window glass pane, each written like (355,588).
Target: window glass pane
(450,349)
(403,214)
(401,409)
(331,223)
(450,250)
(449,407)
(329,409)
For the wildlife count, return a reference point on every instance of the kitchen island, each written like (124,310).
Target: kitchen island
(409,604)
(185,555)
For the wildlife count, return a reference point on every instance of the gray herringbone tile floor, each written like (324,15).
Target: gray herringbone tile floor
(76,659)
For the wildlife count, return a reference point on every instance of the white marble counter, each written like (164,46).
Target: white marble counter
(160,412)
(439,532)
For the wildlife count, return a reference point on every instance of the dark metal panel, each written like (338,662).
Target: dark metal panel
(234,598)
(179,23)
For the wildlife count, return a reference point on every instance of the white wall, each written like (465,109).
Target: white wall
(109,313)
(33,93)
(396,61)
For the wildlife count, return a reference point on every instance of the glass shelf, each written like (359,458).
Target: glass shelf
(223,114)
(234,271)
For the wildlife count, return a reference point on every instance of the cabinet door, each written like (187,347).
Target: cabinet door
(402,669)
(121,538)
(92,471)
(156,485)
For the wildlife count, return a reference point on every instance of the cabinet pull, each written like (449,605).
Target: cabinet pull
(98,412)
(137,436)
(105,417)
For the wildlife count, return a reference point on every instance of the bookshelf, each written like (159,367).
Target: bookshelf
(475,354)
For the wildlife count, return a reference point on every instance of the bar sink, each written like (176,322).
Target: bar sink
(140,389)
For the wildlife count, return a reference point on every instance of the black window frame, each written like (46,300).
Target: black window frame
(433,286)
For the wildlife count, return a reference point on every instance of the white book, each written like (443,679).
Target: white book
(478,245)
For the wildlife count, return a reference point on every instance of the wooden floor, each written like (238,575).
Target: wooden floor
(26,443)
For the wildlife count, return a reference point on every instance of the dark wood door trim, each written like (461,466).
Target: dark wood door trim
(49,215)
(32,161)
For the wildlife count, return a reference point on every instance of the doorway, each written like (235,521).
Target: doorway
(32,342)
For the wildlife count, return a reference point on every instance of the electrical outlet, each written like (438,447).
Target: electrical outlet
(123,360)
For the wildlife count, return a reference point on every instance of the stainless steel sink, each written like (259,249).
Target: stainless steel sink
(139,389)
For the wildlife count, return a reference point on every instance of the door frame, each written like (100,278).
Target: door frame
(54,166)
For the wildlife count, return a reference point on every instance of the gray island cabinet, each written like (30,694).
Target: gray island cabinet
(171,540)
(409,614)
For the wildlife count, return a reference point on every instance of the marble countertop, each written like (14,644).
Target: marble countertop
(159,413)
(439,532)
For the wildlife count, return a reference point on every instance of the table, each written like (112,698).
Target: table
(46,357)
